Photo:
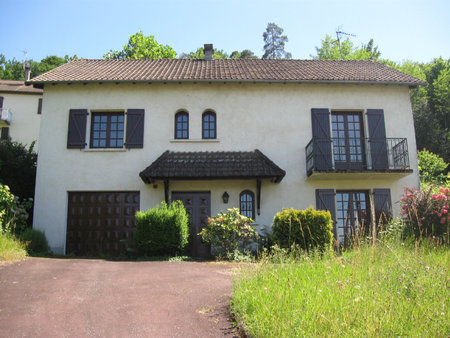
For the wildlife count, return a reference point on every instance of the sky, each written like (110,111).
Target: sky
(417,30)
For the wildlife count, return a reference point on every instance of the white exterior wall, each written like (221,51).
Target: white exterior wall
(25,121)
(274,118)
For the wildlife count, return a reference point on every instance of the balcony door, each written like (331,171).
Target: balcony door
(348,140)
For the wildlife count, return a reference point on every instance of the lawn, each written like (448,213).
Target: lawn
(382,290)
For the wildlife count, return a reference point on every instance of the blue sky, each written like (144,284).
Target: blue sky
(416,30)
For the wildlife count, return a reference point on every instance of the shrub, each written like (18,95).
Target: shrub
(426,213)
(432,168)
(163,230)
(13,212)
(308,229)
(18,167)
(227,231)
(35,241)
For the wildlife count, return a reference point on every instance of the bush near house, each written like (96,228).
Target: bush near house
(426,213)
(308,229)
(36,242)
(163,230)
(227,231)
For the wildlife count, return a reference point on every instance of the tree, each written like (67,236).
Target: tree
(330,49)
(245,54)
(200,54)
(274,43)
(13,69)
(18,168)
(140,46)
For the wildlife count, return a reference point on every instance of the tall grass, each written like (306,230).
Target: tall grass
(11,249)
(383,290)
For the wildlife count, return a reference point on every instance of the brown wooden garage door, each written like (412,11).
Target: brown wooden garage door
(98,221)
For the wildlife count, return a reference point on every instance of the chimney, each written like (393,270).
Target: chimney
(208,47)
(27,68)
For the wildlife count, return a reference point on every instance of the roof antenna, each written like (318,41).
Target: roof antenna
(339,33)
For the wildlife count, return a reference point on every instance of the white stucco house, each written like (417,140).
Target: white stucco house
(20,112)
(259,135)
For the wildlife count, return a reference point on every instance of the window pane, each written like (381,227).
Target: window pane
(107,130)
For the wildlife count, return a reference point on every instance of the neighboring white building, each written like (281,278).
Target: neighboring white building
(123,135)
(20,111)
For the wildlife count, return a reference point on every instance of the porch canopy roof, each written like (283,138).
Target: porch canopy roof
(217,165)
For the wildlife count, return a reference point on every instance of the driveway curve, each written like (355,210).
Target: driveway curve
(42,297)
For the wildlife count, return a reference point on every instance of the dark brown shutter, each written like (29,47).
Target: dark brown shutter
(321,138)
(39,111)
(377,141)
(135,128)
(5,133)
(325,200)
(77,129)
(383,205)
(1,102)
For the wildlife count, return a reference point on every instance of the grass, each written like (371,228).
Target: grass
(11,249)
(383,290)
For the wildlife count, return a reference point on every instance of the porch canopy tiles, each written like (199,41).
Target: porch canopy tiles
(218,165)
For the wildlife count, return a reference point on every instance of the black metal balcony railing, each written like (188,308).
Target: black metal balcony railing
(357,154)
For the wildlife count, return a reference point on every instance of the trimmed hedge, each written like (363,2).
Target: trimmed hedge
(163,230)
(308,229)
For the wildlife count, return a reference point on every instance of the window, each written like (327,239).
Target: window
(247,204)
(352,214)
(209,125)
(348,140)
(182,125)
(107,130)
(4,133)
(39,110)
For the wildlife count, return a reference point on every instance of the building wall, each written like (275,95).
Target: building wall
(25,120)
(274,118)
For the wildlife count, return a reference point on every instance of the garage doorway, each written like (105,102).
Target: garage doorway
(198,206)
(98,222)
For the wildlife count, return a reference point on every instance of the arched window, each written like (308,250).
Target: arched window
(247,204)
(181,125)
(209,125)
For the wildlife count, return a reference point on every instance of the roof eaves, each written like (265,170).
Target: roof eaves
(40,84)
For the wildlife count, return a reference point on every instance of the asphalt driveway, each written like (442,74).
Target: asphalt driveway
(42,297)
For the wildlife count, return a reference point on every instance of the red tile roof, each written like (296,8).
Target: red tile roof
(12,86)
(219,70)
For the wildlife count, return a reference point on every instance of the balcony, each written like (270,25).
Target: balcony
(357,158)
(5,117)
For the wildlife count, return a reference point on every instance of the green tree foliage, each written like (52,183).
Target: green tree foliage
(432,168)
(431,104)
(330,49)
(199,53)
(18,168)
(245,54)
(13,69)
(274,43)
(140,46)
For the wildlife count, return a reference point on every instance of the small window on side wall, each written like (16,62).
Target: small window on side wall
(182,125)
(209,125)
(247,204)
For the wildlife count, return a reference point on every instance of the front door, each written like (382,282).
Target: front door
(198,206)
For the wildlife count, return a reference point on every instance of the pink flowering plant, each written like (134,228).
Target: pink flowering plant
(229,230)
(427,212)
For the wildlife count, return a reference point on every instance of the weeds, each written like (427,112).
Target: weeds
(383,290)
